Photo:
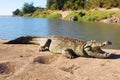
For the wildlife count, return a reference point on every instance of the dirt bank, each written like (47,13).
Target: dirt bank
(24,62)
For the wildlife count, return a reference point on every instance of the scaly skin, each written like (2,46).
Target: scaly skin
(68,47)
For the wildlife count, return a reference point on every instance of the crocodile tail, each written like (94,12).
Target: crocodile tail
(22,40)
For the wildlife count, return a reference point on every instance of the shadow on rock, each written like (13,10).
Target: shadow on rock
(41,59)
(45,59)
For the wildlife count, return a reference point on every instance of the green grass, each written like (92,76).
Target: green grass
(46,14)
(100,14)
(54,16)
(88,18)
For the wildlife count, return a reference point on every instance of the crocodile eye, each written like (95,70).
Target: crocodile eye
(108,42)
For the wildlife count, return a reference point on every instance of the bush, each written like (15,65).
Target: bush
(46,14)
(54,16)
(97,15)
(37,12)
(27,15)
(88,18)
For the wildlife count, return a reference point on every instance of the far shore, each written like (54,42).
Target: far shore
(93,15)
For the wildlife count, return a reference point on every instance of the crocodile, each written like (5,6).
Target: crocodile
(68,47)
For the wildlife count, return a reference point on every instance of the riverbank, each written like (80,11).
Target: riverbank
(24,62)
(94,15)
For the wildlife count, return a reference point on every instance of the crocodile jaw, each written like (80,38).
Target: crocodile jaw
(93,49)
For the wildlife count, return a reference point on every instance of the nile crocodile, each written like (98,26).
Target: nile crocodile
(68,47)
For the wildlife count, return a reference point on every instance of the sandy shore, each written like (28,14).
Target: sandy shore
(24,62)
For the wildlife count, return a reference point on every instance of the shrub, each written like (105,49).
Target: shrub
(54,16)
(88,18)
(27,15)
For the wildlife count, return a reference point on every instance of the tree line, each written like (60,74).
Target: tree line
(81,4)
(29,8)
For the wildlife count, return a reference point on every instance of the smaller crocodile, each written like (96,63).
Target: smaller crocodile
(67,46)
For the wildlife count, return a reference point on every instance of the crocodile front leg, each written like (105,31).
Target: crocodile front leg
(96,52)
(69,53)
(46,46)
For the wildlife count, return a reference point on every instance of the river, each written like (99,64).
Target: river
(13,27)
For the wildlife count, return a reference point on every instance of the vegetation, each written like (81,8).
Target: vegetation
(42,13)
(84,10)
(93,15)
(16,12)
(81,4)
(27,8)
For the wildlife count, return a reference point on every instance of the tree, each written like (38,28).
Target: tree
(103,3)
(49,3)
(111,3)
(54,6)
(60,4)
(28,8)
(57,3)
(66,4)
(16,12)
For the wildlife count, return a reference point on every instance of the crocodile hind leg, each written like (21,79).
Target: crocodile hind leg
(69,53)
(98,53)
(46,46)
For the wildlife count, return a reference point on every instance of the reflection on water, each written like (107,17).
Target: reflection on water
(13,27)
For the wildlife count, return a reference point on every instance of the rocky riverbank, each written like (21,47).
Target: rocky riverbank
(93,15)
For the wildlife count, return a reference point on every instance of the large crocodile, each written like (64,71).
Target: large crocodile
(68,47)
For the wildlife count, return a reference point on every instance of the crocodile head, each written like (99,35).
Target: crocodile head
(93,49)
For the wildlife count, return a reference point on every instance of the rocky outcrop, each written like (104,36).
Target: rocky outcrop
(73,18)
(112,20)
